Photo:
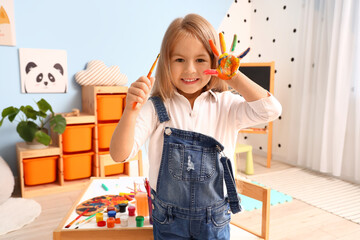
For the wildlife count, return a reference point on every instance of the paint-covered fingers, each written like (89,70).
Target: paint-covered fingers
(213,48)
(233,45)
(228,64)
(138,92)
(243,54)
(222,43)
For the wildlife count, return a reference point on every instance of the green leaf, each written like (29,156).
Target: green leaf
(27,130)
(42,137)
(44,106)
(58,124)
(10,112)
(29,112)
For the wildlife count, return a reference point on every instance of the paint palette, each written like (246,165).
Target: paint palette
(99,203)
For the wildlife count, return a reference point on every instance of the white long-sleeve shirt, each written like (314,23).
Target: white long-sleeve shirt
(219,115)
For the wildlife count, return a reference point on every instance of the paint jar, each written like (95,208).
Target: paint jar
(99,217)
(142,204)
(110,222)
(101,224)
(124,220)
(111,214)
(131,210)
(122,207)
(139,221)
(110,208)
(117,220)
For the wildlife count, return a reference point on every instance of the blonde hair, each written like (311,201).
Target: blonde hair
(191,25)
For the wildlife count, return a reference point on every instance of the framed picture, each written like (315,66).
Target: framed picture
(7,25)
(43,70)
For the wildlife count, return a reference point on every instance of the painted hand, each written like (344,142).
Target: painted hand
(228,63)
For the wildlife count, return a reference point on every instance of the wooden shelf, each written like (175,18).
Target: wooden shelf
(83,118)
(100,160)
(25,152)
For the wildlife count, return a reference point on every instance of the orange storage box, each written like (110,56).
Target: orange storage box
(105,132)
(77,138)
(114,169)
(40,170)
(109,106)
(77,165)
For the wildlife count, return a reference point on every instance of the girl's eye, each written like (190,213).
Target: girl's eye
(179,60)
(201,60)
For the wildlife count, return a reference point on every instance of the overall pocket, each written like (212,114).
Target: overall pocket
(221,218)
(159,214)
(191,163)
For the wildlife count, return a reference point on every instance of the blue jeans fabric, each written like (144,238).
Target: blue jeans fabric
(189,201)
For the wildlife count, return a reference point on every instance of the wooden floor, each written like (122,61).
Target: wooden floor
(293,220)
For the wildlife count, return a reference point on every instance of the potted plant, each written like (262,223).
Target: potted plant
(31,126)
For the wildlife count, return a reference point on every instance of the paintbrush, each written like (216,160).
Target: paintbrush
(87,220)
(67,226)
(149,74)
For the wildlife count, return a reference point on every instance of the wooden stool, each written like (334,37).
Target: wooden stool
(240,148)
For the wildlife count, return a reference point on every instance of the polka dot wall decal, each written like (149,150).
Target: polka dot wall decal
(294,30)
(275,71)
(273,40)
(260,147)
(292,59)
(279,145)
(228,15)
(238,41)
(267,19)
(279,117)
(284,7)
(245,137)
(254,10)
(289,86)
(244,20)
(251,38)
(259,55)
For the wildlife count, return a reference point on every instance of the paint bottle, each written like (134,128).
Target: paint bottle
(99,216)
(131,210)
(111,214)
(139,221)
(110,222)
(142,204)
(124,220)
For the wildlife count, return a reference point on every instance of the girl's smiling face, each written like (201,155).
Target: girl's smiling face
(188,60)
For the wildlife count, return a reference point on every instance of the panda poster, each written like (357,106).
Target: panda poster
(7,25)
(43,70)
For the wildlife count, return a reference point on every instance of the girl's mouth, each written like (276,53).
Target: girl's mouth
(190,80)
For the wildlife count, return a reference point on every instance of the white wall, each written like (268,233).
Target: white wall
(271,29)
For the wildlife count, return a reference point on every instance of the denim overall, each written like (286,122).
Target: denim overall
(189,201)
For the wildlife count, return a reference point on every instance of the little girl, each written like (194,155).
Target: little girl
(191,121)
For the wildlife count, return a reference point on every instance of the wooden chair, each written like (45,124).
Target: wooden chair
(263,74)
(261,194)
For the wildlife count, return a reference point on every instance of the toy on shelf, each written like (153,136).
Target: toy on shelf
(98,74)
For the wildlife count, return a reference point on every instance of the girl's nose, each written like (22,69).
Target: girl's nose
(190,67)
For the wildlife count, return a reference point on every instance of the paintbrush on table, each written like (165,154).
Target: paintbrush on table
(67,226)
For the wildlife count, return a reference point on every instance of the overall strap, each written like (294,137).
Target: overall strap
(234,199)
(160,109)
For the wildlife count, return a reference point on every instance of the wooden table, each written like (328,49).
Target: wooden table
(91,230)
